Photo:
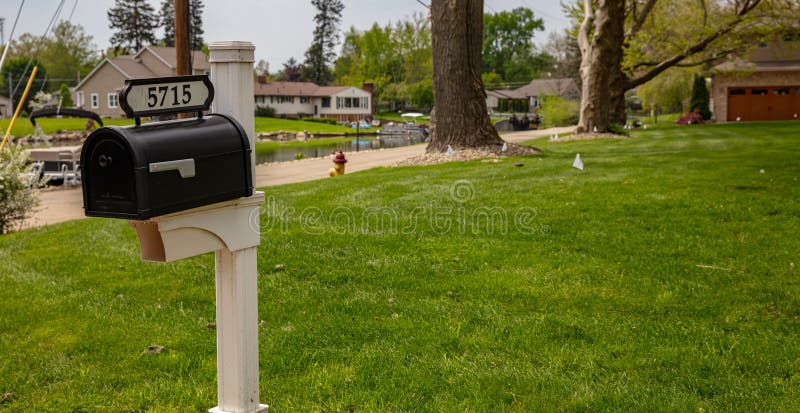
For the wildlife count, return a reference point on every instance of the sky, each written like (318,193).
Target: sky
(280,29)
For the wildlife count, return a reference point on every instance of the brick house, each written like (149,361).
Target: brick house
(763,86)
(98,91)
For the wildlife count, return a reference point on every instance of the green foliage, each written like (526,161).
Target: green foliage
(66,96)
(17,196)
(669,91)
(327,121)
(65,53)
(491,80)
(265,111)
(558,111)
(513,105)
(421,94)
(508,48)
(618,129)
(321,53)
(700,98)
(392,57)
(134,23)
(16,69)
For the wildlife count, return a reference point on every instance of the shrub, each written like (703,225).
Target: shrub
(700,99)
(265,111)
(691,118)
(558,111)
(328,121)
(17,197)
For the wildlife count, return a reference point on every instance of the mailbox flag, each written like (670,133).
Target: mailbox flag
(578,164)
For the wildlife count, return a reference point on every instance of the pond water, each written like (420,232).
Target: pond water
(316,151)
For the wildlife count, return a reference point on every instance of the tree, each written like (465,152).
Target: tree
(292,71)
(261,68)
(167,22)
(625,44)
(16,69)
(421,94)
(459,117)
(66,96)
(135,22)
(508,48)
(66,53)
(326,36)
(393,58)
(700,98)
(565,54)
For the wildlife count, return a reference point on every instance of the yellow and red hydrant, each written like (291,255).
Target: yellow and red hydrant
(338,164)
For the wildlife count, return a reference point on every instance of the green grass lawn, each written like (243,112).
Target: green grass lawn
(291,125)
(664,277)
(23,126)
(267,146)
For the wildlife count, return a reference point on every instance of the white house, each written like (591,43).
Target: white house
(299,99)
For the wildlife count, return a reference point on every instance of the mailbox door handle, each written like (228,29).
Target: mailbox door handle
(185,167)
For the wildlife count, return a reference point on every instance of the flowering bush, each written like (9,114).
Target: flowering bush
(691,118)
(17,197)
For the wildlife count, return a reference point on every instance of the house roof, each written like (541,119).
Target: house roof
(131,66)
(768,57)
(504,94)
(296,89)
(168,57)
(540,87)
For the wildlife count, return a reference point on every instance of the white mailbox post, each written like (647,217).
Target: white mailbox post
(231,230)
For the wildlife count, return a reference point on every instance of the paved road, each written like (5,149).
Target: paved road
(62,205)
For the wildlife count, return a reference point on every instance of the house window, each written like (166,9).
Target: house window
(79,99)
(781,92)
(303,99)
(285,99)
(272,99)
(112,100)
(760,92)
(95,100)
(737,92)
(326,102)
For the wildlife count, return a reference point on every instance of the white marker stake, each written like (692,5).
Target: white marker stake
(236,271)
(578,164)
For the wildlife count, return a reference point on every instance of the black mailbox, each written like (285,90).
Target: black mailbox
(140,172)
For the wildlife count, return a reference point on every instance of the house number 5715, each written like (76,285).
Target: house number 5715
(158,95)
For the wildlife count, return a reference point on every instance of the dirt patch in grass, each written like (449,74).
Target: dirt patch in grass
(590,136)
(463,155)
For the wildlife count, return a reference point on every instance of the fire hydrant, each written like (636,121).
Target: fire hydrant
(338,164)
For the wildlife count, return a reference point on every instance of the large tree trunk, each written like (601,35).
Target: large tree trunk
(459,117)
(600,38)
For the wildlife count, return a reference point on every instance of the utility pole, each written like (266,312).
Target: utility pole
(183,47)
(10,92)
(182,38)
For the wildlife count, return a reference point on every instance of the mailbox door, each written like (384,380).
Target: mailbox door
(112,186)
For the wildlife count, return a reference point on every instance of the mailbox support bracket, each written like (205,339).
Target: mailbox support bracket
(232,230)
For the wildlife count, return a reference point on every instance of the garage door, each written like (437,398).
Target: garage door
(763,103)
